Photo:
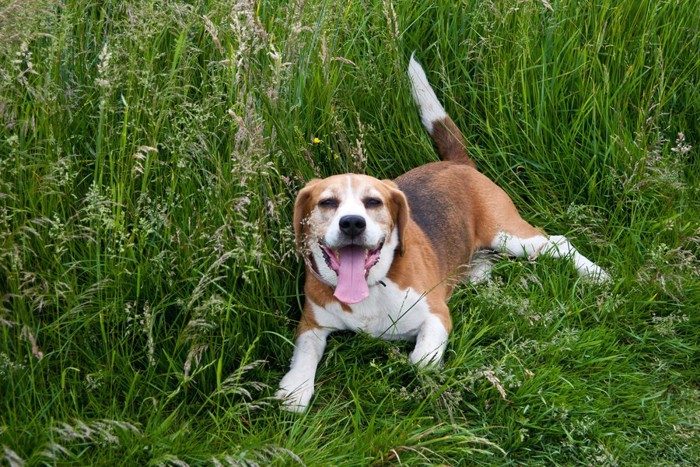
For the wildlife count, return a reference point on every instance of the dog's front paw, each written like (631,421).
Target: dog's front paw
(427,361)
(295,394)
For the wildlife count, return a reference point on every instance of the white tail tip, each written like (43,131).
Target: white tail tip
(430,108)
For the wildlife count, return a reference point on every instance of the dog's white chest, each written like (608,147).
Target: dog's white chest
(389,313)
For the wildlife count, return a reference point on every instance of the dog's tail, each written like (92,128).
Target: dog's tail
(447,137)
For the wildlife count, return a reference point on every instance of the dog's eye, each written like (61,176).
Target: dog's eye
(328,203)
(373,202)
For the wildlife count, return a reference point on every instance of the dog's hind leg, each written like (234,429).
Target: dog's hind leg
(529,242)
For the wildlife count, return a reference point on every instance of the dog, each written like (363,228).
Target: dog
(382,257)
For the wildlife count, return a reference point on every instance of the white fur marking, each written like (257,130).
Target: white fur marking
(480,267)
(389,313)
(430,108)
(556,246)
(516,246)
(560,247)
(352,204)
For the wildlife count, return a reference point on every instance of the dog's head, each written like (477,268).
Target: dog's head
(351,225)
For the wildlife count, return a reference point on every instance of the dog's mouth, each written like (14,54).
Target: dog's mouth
(352,264)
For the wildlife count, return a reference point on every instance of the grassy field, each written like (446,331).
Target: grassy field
(150,152)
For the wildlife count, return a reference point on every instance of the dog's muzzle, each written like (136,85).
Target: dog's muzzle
(352,263)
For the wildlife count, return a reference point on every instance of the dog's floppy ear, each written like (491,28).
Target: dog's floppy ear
(399,211)
(301,211)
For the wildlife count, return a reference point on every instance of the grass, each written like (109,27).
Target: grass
(150,152)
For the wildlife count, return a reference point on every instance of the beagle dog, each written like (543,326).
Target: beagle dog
(383,256)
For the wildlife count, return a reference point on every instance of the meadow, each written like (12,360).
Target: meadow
(150,153)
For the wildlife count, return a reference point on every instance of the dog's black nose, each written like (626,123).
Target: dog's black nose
(352,225)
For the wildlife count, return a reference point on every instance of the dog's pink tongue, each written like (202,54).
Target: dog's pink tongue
(352,285)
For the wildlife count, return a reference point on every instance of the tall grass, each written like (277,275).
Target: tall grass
(150,152)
